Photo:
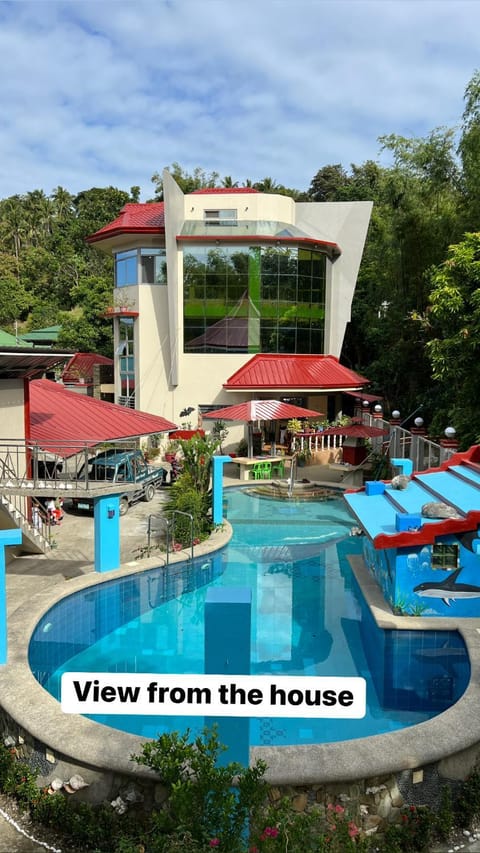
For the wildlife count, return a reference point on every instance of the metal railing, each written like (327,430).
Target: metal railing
(164,522)
(169,526)
(56,466)
(398,442)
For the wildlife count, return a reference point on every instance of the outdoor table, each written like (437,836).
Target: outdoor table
(246,463)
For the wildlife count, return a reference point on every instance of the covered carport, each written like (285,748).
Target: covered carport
(65,424)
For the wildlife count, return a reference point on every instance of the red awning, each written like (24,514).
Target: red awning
(63,422)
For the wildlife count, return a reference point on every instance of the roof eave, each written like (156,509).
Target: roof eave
(332,249)
(290,388)
(123,230)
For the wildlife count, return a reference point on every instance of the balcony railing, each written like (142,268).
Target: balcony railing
(54,469)
(397,443)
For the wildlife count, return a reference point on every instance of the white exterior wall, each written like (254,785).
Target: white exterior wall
(12,409)
(253,205)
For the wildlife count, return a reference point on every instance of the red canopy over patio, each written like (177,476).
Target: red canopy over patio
(262,410)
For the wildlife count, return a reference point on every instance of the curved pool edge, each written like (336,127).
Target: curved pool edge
(84,743)
(452,732)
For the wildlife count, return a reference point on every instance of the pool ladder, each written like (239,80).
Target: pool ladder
(169,524)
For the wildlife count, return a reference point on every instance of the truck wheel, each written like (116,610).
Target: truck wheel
(149,493)
(123,506)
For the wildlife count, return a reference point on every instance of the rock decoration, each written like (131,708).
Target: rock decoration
(438,509)
(71,786)
(401,481)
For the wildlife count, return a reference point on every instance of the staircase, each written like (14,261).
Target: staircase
(15,511)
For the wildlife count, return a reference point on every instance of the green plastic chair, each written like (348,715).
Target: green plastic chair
(256,471)
(266,470)
(278,468)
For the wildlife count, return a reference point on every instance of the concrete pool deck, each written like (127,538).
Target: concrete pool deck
(102,755)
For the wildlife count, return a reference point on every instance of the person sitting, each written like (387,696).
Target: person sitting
(54,510)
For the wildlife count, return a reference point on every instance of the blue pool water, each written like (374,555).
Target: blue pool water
(308,618)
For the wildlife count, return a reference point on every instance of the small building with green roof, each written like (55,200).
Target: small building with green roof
(40,337)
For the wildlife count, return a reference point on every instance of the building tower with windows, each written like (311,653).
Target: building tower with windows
(217,283)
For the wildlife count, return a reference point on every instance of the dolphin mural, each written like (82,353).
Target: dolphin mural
(448,590)
(469,539)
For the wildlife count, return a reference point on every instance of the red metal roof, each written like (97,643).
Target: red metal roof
(59,417)
(356,431)
(81,365)
(294,372)
(223,191)
(134,218)
(362,395)
(262,410)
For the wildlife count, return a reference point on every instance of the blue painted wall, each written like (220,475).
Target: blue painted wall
(412,587)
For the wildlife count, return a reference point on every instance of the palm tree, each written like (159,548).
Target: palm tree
(268,185)
(228,181)
(62,202)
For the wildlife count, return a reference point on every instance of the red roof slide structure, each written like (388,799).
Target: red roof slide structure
(64,422)
(262,410)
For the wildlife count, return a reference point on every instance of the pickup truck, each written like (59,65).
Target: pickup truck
(113,466)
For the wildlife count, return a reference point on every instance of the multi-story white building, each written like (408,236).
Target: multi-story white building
(215,285)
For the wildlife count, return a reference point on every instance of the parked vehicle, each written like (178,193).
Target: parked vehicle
(113,466)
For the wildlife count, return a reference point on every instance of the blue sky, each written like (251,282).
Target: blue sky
(108,92)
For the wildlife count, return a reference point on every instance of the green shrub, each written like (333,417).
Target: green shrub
(184,497)
(202,802)
(414,833)
(467,805)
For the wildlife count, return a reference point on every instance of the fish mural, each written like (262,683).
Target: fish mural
(448,590)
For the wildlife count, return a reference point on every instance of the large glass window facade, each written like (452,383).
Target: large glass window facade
(126,362)
(254,299)
(140,266)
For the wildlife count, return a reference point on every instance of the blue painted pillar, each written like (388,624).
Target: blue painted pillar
(227,651)
(106,516)
(405,465)
(217,487)
(7,537)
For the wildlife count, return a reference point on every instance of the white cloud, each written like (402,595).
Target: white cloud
(98,94)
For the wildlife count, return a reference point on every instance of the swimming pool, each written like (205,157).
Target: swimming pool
(308,617)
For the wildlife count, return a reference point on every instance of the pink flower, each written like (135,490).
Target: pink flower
(214,842)
(353,829)
(270,831)
(330,807)
(339,809)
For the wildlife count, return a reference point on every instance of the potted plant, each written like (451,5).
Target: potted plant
(303,457)
(294,426)
(170,451)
